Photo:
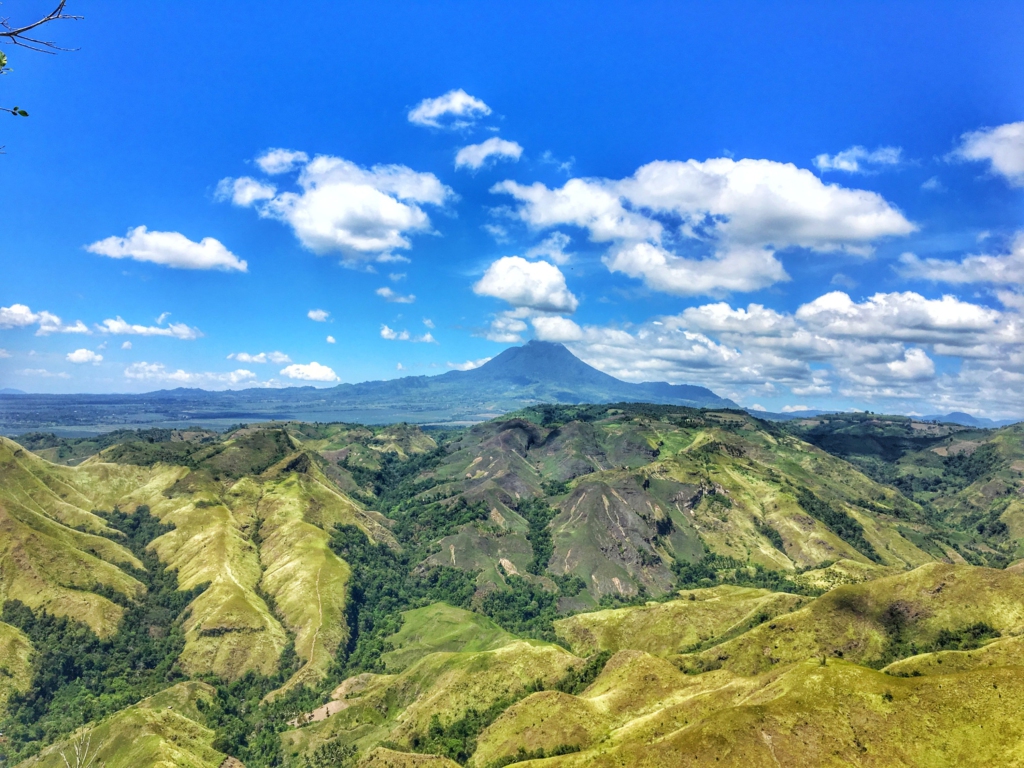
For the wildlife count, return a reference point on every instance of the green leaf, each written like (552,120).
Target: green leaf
(22,112)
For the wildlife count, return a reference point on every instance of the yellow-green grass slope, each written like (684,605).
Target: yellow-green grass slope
(51,553)
(248,539)
(15,663)
(638,714)
(440,627)
(163,731)
(863,622)
(397,709)
(696,616)
(253,538)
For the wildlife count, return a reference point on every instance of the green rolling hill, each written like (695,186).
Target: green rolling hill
(568,585)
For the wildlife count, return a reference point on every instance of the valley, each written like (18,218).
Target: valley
(568,585)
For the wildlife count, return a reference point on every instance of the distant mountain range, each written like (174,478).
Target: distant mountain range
(538,372)
(955,417)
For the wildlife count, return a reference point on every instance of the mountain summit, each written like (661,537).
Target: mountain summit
(551,373)
(537,372)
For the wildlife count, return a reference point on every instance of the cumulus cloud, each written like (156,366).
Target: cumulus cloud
(738,269)
(1002,147)
(391,334)
(556,328)
(428,322)
(341,207)
(21,316)
(158,372)
(126,345)
(171,249)
(83,356)
(795,408)
(998,269)
(885,348)
(396,298)
(507,327)
(475,156)
(858,159)
(455,109)
(275,161)
(469,365)
(243,191)
(119,327)
(4,354)
(309,372)
(535,285)
(330,340)
(742,211)
(552,248)
(262,357)
(318,315)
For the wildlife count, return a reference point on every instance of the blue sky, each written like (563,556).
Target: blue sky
(794,205)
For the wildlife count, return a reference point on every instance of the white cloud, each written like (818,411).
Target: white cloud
(318,315)
(795,408)
(399,367)
(469,365)
(163,316)
(126,345)
(498,232)
(4,354)
(84,356)
(171,249)
(531,284)
(506,328)
(243,191)
(42,373)
(552,248)
(119,327)
(275,161)
(309,372)
(742,211)
(738,269)
(17,316)
(392,335)
(20,316)
(455,109)
(933,184)
(341,207)
(396,298)
(1001,269)
(904,317)
(262,357)
(330,340)
(889,348)
(396,276)
(1002,147)
(158,372)
(757,407)
(854,159)
(428,322)
(475,156)
(556,328)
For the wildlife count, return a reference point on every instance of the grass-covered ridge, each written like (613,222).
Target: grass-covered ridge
(570,584)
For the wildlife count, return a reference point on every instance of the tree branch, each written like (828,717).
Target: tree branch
(19,35)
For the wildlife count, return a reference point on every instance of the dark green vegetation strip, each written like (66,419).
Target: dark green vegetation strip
(837,521)
(77,677)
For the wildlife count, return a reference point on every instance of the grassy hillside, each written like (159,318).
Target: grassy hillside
(618,584)
(15,662)
(969,479)
(695,617)
(163,731)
